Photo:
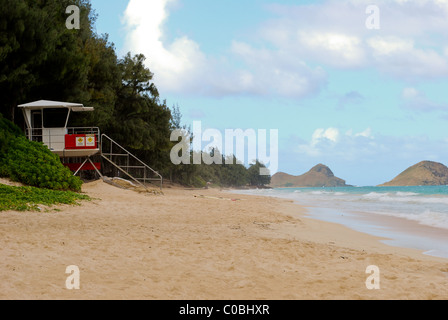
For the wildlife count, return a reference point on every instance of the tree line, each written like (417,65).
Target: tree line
(41,59)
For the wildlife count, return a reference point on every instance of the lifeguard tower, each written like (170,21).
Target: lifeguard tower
(48,122)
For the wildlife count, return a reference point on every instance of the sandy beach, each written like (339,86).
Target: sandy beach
(201,244)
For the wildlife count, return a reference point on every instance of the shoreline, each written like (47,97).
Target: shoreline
(304,212)
(202,245)
(393,230)
(408,233)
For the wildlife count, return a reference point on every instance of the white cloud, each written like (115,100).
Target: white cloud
(409,45)
(416,100)
(294,48)
(331,143)
(276,72)
(366,134)
(182,67)
(331,134)
(390,45)
(336,49)
(333,146)
(172,64)
(401,58)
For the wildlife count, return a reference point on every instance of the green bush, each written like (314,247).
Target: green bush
(32,163)
(9,127)
(29,198)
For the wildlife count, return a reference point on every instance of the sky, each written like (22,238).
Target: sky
(361,89)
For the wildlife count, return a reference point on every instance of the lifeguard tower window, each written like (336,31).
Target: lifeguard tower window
(36,124)
(36,119)
(55,118)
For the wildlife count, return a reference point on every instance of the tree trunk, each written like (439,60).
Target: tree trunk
(11,114)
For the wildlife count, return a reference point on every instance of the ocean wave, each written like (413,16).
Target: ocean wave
(427,217)
(320,192)
(375,195)
(406,197)
(404,194)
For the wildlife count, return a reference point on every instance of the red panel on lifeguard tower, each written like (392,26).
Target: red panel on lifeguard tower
(80,141)
(85,167)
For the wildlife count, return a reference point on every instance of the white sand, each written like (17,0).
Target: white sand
(195,245)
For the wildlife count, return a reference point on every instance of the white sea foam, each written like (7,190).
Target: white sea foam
(404,194)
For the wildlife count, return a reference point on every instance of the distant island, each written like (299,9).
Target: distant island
(318,177)
(425,173)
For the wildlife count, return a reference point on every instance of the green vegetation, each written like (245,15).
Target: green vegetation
(40,59)
(32,163)
(221,175)
(29,198)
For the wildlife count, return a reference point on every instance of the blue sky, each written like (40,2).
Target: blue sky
(366,102)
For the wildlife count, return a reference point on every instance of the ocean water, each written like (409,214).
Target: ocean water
(414,217)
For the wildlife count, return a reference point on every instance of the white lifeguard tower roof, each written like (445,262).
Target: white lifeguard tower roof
(43,104)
